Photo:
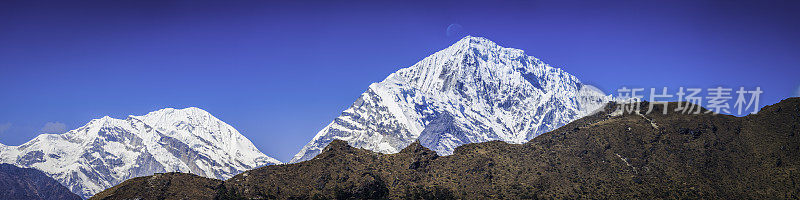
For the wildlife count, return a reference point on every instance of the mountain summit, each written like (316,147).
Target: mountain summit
(473,91)
(107,151)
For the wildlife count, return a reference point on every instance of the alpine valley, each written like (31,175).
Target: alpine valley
(107,151)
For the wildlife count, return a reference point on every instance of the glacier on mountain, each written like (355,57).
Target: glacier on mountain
(107,151)
(473,91)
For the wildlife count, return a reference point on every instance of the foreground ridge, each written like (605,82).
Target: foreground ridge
(31,184)
(598,156)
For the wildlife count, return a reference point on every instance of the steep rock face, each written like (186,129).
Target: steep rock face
(107,151)
(31,184)
(473,91)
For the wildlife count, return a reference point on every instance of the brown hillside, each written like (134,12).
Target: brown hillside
(163,186)
(601,156)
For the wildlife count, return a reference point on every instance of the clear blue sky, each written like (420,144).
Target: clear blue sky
(279,72)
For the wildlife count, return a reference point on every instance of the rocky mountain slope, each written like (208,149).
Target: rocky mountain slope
(606,155)
(165,186)
(473,91)
(107,151)
(31,184)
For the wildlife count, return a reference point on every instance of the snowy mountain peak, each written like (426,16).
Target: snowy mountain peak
(102,120)
(168,115)
(184,111)
(472,41)
(107,151)
(472,91)
(478,45)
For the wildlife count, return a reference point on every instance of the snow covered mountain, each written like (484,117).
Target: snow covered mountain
(107,151)
(472,91)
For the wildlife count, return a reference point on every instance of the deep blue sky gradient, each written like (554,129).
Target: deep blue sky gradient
(279,72)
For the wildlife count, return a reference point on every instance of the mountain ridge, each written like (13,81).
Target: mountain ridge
(28,184)
(107,151)
(472,91)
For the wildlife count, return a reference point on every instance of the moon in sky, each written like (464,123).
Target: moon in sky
(797,92)
(454,30)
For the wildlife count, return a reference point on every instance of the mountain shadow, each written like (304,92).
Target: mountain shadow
(31,184)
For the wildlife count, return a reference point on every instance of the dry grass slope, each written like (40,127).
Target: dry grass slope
(163,186)
(652,156)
